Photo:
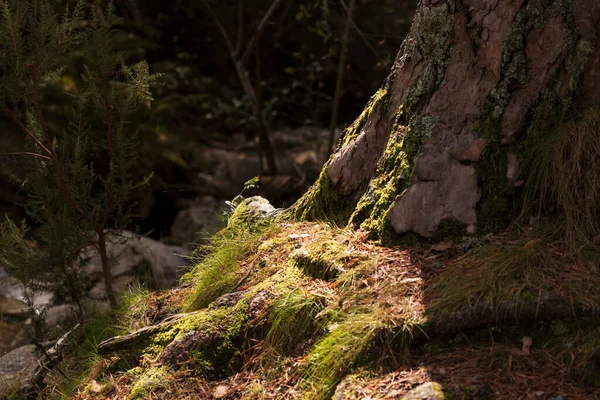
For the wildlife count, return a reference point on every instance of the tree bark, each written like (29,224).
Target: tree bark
(442,140)
(104,260)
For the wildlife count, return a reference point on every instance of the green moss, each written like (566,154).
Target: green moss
(323,202)
(150,380)
(378,102)
(293,321)
(321,259)
(216,270)
(337,353)
(393,176)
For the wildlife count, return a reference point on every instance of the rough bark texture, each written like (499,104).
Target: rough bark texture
(442,139)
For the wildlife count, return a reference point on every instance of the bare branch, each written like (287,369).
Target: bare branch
(259,30)
(240,32)
(26,153)
(221,29)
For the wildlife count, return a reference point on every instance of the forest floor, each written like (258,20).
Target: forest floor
(305,310)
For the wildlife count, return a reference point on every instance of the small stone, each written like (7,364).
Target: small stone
(426,391)
(471,229)
(221,391)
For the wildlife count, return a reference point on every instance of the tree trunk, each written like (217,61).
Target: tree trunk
(104,260)
(441,142)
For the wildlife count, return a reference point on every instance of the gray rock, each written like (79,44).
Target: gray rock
(13,290)
(259,208)
(13,308)
(426,391)
(228,300)
(15,367)
(159,264)
(98,291)
(60,315)
(193,224)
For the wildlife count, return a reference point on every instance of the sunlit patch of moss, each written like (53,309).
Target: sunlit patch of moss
(217,265)
(334,355)
(393,176)
(321,259)
(378,102)
(293,321)
(150,380)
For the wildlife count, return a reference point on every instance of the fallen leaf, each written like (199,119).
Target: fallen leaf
(538,393)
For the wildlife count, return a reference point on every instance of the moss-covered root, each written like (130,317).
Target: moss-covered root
(332,357)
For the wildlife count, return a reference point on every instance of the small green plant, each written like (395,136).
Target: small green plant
(76,204)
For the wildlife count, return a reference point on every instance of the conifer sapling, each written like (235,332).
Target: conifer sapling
(76,206)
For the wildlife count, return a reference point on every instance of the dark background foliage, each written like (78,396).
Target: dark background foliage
(200,101)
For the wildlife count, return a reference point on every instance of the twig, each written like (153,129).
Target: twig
(26,153)
(215,19)
(240,32)
(259,30)
(27,131)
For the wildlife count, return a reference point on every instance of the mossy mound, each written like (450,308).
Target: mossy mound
(387,320)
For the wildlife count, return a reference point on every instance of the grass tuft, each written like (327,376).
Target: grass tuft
(564,173)
(293,321)
(501,276)
(332,357)
(216,270)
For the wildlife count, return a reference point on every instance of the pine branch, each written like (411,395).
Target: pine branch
(27,131)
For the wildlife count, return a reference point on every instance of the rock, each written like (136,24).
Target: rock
(11,337)
(192,225)
(345,389)
(221,391)
(259,208)
(228,300)
(179,351)
(258,303)
(426,391)
(98,292)
(15,367)
(157,263)
(60,315)
(11,289)
(13,308)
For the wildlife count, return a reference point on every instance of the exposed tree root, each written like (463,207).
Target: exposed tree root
(546,307)
(127,341)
